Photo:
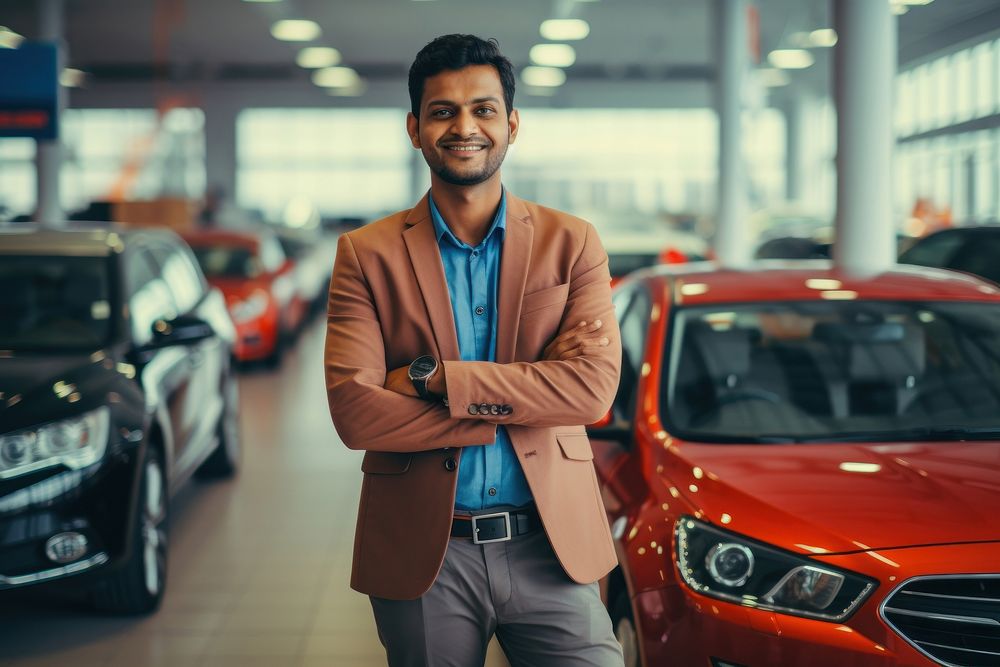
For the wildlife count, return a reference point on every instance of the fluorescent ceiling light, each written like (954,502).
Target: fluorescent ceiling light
(790,58)
(773,78)
(9,39)
(314,57)
(336,77)
(72,78)
(564,29)
(543,76)
(899,9)
(823,38)
(552,55)
(291,30)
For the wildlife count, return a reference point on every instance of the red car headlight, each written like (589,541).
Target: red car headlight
(728,566)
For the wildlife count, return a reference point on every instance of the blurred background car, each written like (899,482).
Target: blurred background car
(312,253)
(799,467)
(117,384)
(973,249)
(256,277)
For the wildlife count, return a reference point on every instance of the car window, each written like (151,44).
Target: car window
(150,299)
(935,250)
(979,256)
(633,325)
(827,370)
(182,277)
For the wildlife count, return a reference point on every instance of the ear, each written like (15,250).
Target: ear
(513,122)
(413,129)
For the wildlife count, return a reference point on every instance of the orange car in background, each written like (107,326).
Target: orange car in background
(801,468)
(253,273)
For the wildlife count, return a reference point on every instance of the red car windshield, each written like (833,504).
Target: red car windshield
(834,370)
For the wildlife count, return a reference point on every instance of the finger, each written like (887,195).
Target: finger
(582,326)
(571,353)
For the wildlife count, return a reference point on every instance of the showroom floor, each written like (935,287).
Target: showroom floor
(259,566)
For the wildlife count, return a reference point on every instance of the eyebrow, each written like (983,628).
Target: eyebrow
(450,103)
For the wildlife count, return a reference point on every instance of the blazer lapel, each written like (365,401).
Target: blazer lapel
(425,256)
(513,274)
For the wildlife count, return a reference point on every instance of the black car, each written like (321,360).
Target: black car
(974,250)
(116,385)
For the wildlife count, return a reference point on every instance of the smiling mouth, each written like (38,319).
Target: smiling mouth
(466,148)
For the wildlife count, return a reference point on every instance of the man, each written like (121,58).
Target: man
(469,339)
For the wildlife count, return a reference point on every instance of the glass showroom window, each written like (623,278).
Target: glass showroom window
(17,177)
(346,162)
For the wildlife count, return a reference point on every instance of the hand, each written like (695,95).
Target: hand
(584,337)
(398,380)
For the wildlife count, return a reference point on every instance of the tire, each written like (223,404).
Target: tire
(137,587)
(625,631)
(224,461)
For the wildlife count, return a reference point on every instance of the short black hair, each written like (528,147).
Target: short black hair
(453,52)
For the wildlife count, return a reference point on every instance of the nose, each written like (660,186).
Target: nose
(464,124)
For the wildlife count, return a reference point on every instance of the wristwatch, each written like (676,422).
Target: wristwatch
(420,371)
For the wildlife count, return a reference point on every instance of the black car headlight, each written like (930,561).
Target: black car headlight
(724,565)
(76,443)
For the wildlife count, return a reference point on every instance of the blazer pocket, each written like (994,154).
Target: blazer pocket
(575,446)
(543,298)
(386,463)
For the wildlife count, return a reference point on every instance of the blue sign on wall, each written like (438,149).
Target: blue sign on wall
(29,90)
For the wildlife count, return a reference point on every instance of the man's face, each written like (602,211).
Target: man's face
(464,128)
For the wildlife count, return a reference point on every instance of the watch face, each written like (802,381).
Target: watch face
(422,366)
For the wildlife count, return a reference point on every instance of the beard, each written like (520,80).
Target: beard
(472,176)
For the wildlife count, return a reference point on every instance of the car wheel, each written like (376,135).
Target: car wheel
(224,460)
(625,632)
(137,587)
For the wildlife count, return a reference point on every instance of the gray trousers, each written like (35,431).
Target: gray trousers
(515,589)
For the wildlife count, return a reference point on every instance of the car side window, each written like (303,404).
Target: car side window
(149,297)
(634,325)
(936,250)
(182,277)
(978,256)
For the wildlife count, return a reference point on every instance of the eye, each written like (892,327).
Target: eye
(440,113)
(485,111)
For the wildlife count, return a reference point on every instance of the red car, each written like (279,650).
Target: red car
(253,273)
(802,468)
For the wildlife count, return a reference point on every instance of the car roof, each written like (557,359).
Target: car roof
(810,280)
(237,237)
(85,240)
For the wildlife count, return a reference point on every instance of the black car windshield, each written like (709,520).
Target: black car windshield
(620,264)
(834,370)
(227,261)
(54,303)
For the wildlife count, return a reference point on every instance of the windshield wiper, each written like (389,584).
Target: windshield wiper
(918,433)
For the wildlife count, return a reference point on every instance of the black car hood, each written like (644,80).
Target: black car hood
(37,388)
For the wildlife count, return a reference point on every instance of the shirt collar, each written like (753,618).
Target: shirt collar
(499,222)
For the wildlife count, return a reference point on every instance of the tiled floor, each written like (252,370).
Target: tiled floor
(259,566)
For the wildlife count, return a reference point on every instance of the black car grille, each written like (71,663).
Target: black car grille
(953,619)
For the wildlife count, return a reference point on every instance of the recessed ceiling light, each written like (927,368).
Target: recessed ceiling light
(543,76)
(553,55)
(790,58)
(294,30)
(564,29)
(336,77)
(823,38)
(9,39)
(313,57)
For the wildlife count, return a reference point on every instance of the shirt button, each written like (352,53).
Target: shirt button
(492,491)
(450,464)
(480,310)
(475,253)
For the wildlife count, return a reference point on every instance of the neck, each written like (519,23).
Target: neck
(468,210)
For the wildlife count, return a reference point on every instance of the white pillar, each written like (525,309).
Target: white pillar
(48,155)
(732,245)
(864,71)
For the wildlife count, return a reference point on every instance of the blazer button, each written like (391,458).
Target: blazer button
(494,409)
(484,408)
(473,409)
(450,464)
(506,410)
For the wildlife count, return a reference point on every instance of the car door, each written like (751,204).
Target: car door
(615,455)
(165,372)
(202,401)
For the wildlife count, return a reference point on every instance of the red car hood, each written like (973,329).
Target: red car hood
(830,498)
(237,288)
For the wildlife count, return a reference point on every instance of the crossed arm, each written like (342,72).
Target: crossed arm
(374,408)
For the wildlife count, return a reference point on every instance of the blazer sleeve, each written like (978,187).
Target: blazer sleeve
(365,414)
(550,393)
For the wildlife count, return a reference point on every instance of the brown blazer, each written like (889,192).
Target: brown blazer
(388,305)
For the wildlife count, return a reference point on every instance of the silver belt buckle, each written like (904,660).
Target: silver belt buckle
(475,528)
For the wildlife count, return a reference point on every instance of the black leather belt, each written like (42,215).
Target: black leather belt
(497,526)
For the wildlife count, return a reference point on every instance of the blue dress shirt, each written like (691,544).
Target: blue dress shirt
(489,474)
